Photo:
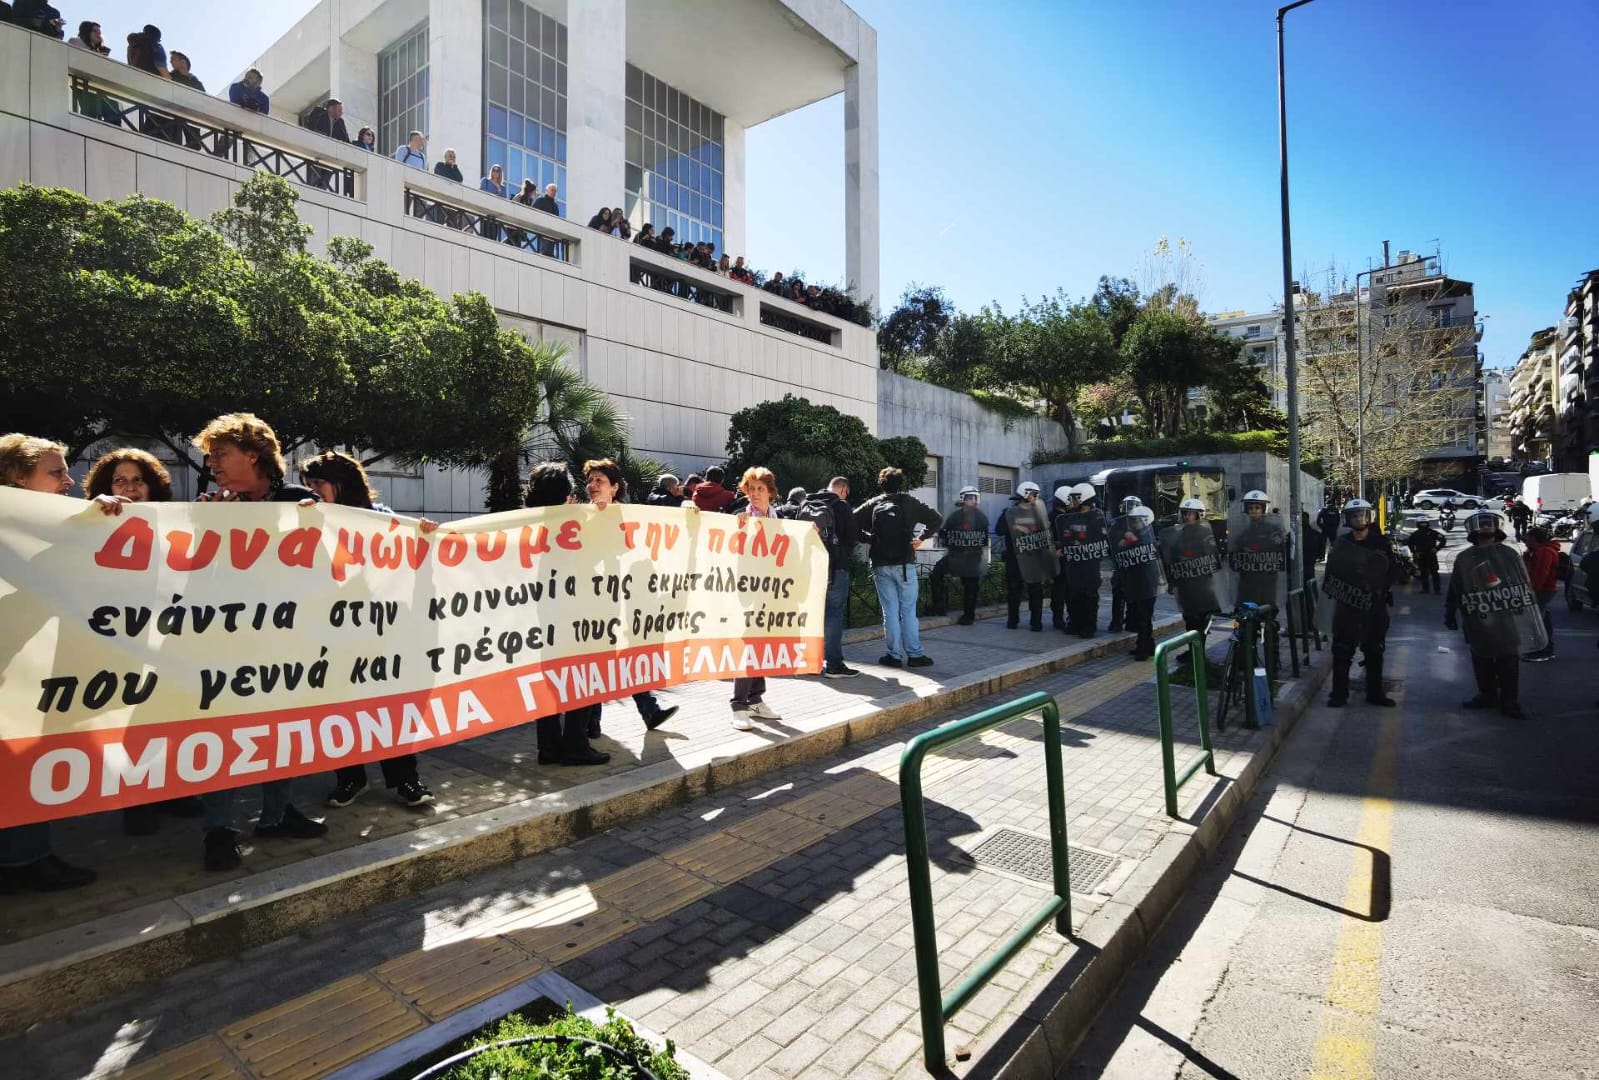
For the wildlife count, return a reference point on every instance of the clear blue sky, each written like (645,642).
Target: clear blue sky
(1030,145)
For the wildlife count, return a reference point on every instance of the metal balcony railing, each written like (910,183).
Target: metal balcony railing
(489,226)
(99,103)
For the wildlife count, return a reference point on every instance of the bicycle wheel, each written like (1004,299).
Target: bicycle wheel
(1231,681)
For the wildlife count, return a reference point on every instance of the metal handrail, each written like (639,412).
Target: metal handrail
(229,144)
(1195,640)
(466,219)
(935,1008)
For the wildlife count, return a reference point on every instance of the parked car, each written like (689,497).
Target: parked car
(1433,498)
(1578,595)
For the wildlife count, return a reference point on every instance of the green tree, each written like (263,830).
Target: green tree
(807,444)
(1237,398)
(1118,302)
(1168,354)
(1049,351)
(912,331)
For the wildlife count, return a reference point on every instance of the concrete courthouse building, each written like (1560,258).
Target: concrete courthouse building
(642,104)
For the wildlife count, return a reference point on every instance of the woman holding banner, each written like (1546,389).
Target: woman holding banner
(341,480)
(138,476)
(759,486)
(26,861)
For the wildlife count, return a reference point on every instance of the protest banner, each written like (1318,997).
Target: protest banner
(182,648)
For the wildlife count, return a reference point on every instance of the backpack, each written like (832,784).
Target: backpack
(891,536)
(819,512)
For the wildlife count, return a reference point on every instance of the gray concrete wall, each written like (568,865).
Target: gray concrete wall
(961,433)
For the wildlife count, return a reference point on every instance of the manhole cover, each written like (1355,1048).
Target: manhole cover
(1028,856)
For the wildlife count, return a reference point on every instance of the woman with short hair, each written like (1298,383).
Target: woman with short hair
(759,486)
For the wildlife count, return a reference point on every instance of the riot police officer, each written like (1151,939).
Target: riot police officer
(1118,602)
(1080,534)
(1360,574)
(1192,563)
(1424,544)
(1136,560)
(1490,587)
(965,534)
(1029,555)
(1063,506)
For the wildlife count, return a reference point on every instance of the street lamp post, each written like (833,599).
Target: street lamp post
(1360,382)
(1290,364)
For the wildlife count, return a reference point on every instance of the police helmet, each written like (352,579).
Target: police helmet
(1065,494)
(1257,497)
(969,490)
(1144,514)
(1485,521)
(1191,505)
(1131,503)
(1026,488)
(1357,508)
(1086,492)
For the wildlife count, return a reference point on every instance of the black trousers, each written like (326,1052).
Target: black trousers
(1370,636)
(1057,602)
(1082,612)
(564,733)
(1013,596)
(1427,571)
(1141,621)
(396,771)
(938,583)
(1118,607)
(1498,677)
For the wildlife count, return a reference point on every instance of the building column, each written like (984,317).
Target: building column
(861,269)
(734,231)
(353,79)
(596,115)
(455,85)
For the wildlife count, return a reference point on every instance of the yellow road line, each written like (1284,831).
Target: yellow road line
(1346,1046)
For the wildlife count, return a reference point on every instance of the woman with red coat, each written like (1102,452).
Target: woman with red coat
(1543,564)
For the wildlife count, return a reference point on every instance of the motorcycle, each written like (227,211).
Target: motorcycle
(1562,526)
(1446,518)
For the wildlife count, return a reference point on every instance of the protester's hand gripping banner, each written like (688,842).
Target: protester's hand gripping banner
(182,648)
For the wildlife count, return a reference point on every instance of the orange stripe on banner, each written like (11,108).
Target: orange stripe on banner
(85,772)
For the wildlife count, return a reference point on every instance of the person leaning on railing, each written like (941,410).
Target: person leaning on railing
(247,93)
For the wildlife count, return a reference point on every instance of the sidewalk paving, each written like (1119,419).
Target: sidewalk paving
(154,910)
(765,927)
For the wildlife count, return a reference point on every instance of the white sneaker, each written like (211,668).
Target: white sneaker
(762,711)
(741,720)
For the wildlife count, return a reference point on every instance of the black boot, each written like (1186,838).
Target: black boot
(1339,697)
(1375,693)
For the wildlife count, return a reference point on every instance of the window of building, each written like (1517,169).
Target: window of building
(403,89)
(524,78)
(1443,317)
(995,479)
(1253,331)
(674,161)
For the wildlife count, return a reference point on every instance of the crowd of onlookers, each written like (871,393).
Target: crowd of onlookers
(245,460)
(146,52)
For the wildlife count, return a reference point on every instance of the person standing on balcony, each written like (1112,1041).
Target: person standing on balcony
(183,73)
(410,154)
(327,119)
(367,140)
(547,202)
(448,168)
(158,51)
(90,39)
(247,93)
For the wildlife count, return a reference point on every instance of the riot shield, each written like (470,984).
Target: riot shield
(1082,548)
(1031,542)
(965,533)
(1194,569)
(1135,558)
(1257,553)
(1353,586)
(1498,610)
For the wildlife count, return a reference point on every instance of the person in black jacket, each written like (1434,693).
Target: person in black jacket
(243,456)
(1354,626)
(668,492)
(889,524)
(835,498)
(1424,544)
(326,119)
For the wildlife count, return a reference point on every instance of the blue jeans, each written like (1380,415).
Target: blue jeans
(896,595)
(218,805)
(23,845)
(833,619)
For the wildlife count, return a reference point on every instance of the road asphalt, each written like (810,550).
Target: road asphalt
(1413,892)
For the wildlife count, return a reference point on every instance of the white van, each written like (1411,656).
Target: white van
(1556,491)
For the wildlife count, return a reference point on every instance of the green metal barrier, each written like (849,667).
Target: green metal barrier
(1195,640)
(936,1009)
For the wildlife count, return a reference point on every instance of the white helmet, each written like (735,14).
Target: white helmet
(1144,514)
(1256,496)
(1065,493)
(1026,488)
(969,490)
(1085,492)
(1191,505)
(1131,503)
(1357,506)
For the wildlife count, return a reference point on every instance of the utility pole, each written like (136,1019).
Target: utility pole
(1290,364)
